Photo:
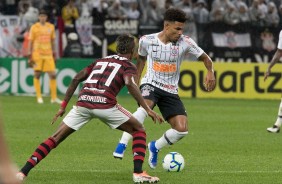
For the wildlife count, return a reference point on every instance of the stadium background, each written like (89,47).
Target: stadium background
(239,49)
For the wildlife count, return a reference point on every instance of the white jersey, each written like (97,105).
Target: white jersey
(164,60)
(279,46)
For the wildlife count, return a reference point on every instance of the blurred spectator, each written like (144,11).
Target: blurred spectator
(73,48)
(272,17)
(53,10)
(39,4)
(10,7)
(217,15)
(153,15)
(126,4)
(280,13)
(116,11)
(231,16)
(99,11)
(25,42)
(243,12)
(23,6)
(70,14)
(31,16)
(219,4)
(201,13)
(190,27)
(84,5)
(168,4)
(184,3)
(257,15)
(133,12)
(262,6)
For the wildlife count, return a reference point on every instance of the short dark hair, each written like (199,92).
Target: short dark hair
(43,12)
(125,44)
(174,14)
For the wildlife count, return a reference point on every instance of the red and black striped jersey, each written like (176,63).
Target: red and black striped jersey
(105,80)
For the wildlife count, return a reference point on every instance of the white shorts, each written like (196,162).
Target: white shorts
(113,117)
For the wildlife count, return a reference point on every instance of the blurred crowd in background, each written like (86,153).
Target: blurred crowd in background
(86,21)
(149,12)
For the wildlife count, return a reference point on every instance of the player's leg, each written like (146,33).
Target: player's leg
(73,121)
(137,131)
(49,67)
(37,86)
(276,127)
(45,148)
(37,67)
(119,118)
(174,112)
(140,114)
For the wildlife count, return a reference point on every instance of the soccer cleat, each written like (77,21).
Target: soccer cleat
(20,176)
(120,149)
(274,129)
(153,154)
(40,100)
(56,100)
(144,178)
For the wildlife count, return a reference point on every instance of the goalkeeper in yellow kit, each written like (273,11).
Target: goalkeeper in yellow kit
(41,54)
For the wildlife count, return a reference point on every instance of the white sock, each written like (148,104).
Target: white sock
(279,118)
(140,114)
(171,136)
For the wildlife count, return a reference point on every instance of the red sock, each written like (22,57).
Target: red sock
(41,152)
(139,150)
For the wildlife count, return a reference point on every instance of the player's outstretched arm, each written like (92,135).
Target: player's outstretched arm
(81,76)
(210,78)
(275,58)
(135,92)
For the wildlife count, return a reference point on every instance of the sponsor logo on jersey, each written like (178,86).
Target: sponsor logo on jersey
(167,86)
(96,99)
(95,89)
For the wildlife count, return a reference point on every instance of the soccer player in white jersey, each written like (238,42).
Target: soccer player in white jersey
(164,53)
(278,54)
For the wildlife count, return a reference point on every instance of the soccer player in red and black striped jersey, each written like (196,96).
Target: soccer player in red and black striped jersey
(104,78)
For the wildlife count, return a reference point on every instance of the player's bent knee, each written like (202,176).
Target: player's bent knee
(174,136)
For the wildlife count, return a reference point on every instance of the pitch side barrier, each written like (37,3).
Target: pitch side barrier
(234,80)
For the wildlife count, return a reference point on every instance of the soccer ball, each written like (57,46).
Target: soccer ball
(173,161)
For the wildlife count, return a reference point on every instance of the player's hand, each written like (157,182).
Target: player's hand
(60,113)
(155,117)
(30,63)
(54,57)
(267,73)
(210,81)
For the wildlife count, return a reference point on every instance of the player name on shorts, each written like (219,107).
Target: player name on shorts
(98,99)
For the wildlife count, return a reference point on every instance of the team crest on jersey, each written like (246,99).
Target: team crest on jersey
(174,51)
(146,90)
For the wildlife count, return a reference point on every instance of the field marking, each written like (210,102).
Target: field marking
(118,171)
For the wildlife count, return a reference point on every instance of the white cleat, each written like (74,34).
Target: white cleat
(20,176)
(144,178)
(40,100)
(56,100)
(274,129)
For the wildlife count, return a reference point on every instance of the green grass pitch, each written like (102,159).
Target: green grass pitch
(227,144)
